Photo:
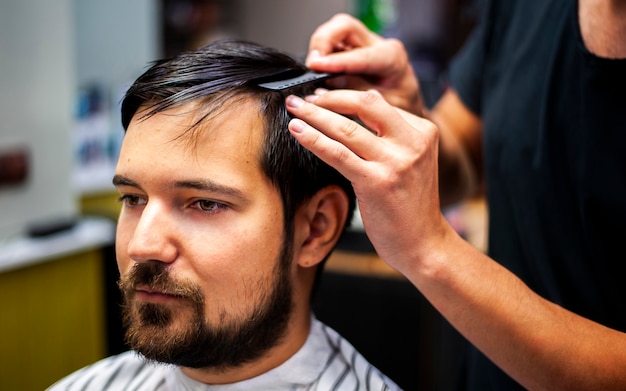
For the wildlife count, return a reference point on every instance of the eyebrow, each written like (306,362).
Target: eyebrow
(197,184)
(119,180)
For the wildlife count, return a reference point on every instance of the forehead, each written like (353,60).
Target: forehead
(169,141)
(197,124)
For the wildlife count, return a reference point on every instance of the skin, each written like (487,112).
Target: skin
(396,176)
(383,64)
(541,345)
(603,27)
(224,237)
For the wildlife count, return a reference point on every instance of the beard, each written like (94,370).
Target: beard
(182,336)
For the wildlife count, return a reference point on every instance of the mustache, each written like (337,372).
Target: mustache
(156,277)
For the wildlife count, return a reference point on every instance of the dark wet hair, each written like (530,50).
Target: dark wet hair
(225,70)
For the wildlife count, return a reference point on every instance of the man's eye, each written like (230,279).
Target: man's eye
(130,200)
(208,205)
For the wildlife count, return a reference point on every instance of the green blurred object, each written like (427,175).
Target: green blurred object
(375,14)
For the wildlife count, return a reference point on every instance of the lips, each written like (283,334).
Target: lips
(151,283)
(148,294)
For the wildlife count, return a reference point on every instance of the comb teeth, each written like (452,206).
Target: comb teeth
(308,77)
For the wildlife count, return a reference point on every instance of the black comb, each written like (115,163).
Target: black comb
(308,77)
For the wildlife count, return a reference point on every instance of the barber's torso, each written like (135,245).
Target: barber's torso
(554,140)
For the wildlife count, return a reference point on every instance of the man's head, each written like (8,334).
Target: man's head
(225,216)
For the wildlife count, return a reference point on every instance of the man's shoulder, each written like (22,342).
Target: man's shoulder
(124,371)
(346,368)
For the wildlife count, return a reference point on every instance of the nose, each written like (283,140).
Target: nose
(153,238)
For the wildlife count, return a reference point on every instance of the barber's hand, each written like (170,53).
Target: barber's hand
(344,45)
(393,167)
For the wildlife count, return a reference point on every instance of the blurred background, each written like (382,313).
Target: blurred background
(64,66)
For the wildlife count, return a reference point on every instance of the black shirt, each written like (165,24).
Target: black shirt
(554,142)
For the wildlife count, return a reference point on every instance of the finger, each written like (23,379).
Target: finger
(356,138)
(369,107)
(351,82)
(330,151)
(340,32)
(382,65)
(359,60)
(399,132)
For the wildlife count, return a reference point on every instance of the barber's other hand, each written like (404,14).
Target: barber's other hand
(345,45)
(393,167)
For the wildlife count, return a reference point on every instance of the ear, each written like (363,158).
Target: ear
(320,222)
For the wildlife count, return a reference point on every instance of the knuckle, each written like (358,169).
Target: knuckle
(395,44)
(342,17)
(388,180)
(432,131)
(341,154)
(314,141)
(349,129)
(369,98)
(396,53)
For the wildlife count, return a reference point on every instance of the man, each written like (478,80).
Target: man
(225,224)
(535,113)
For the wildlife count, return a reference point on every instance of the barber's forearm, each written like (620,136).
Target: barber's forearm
(460,149)
(538,343)
(458,179)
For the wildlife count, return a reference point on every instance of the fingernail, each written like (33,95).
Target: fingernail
(296,125)
(294,101)
(311,98)
(320,91)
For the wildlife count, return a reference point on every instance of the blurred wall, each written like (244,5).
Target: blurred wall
(49,51)
(36,98)
(115,41)
(285,24)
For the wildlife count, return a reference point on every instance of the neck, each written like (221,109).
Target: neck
(603,27)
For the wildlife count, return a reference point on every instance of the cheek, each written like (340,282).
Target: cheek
(236,254)
(251,241)
(122,238)
(234,268)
